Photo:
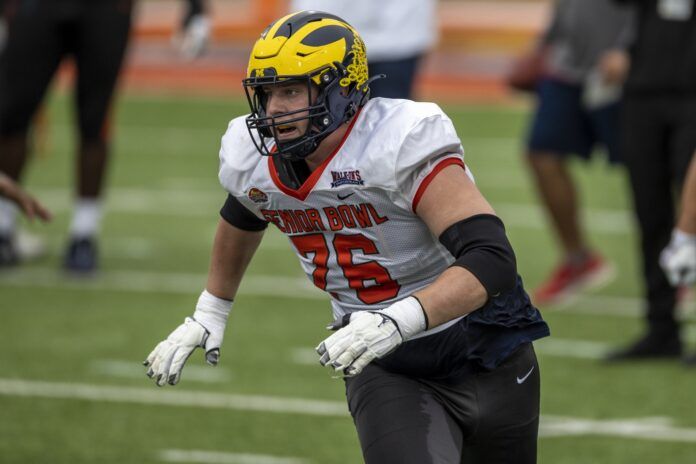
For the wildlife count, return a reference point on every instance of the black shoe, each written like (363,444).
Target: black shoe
(81,255)
(8,252)
(690,361)
(649,346)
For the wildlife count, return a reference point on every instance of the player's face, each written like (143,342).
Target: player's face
(286,98)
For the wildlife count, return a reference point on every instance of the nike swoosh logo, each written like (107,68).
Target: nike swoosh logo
(520,381)
(344,197)
(308,53)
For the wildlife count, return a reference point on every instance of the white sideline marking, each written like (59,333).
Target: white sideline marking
(133,370)
(217,457)
(651,428)
(170,397)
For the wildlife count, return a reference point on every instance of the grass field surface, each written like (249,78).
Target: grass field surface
(72,389)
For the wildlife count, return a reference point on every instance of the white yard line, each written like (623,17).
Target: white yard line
(219,457)
(170,397)
(648,428)
(659,429)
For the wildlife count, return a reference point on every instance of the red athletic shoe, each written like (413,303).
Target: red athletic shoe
(569,279)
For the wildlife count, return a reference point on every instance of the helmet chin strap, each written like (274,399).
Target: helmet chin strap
(299,152)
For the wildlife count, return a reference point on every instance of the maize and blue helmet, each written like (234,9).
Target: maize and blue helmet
(315,48)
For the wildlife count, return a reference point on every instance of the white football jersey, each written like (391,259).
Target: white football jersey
(353,223)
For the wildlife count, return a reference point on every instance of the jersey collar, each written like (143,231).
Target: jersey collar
(306,188)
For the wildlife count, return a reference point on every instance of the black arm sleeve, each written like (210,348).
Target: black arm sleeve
(239,216)
(480,245)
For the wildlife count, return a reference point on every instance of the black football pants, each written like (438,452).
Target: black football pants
(658,139)
(43,32)
(489,417)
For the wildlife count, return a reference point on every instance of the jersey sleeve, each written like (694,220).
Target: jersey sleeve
(238,157)
(430,146)
(238,161)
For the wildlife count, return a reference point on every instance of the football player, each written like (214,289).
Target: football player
(433,328)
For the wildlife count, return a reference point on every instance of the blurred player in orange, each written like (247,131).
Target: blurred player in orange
(577,111)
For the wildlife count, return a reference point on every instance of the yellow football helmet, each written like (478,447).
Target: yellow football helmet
(319,49)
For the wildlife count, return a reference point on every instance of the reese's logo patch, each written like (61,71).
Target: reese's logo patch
(257,196)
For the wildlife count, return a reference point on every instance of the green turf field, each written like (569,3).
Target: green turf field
(72,389)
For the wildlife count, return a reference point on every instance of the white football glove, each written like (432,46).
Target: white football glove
(370,335)
(205,330)
(193,39)
(678,259)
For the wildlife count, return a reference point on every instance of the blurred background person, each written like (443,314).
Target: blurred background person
(658,138)
(39,35)
(397,34)
(577,110)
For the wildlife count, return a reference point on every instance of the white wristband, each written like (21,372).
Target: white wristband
(211,311)
(409,316)
(679,237)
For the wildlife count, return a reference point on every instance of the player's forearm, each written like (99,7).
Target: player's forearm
(233,249)
(455,293)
